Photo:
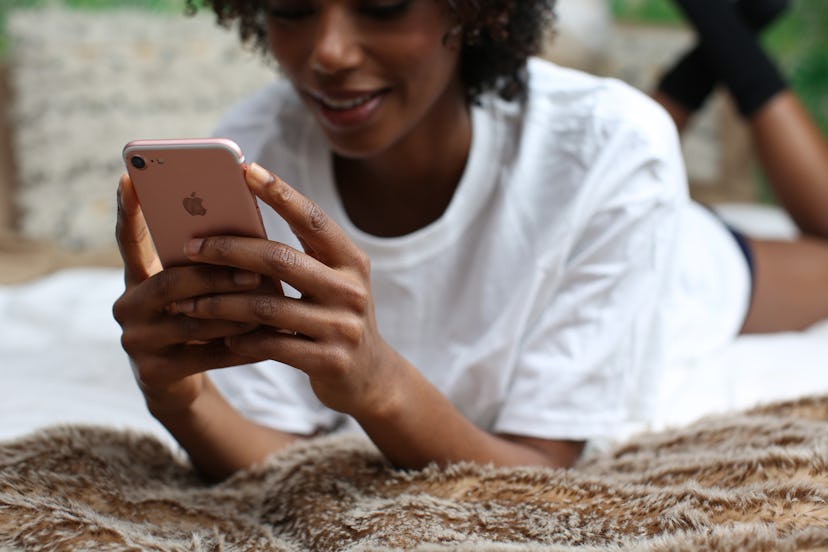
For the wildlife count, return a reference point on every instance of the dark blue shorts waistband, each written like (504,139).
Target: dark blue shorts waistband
(744,244)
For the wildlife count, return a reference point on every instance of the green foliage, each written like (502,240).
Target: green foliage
(646,11)
(800,44)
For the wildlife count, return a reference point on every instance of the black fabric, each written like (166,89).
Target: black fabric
(694,76)
(690,81)
(758,14)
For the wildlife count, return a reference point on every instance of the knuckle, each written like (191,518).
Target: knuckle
(349,329)
(220,246)
(119,311)
(210,277)
(209,305)
(355,295)
(164,283)
(141,233)
(215,279)
(128,235)
(131,341)
(362,263)
(338,361)
(281,256)
(264,308)
(316,217)
(189,327)
(280,192)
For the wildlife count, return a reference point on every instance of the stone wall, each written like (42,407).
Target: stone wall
(7,158)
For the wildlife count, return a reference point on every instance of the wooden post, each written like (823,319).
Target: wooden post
(8,169)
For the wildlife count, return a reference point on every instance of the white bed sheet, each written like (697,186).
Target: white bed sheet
(60,356)
(61,360)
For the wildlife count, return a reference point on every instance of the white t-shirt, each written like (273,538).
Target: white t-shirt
(567,272)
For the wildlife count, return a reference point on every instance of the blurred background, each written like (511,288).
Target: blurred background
(79,78)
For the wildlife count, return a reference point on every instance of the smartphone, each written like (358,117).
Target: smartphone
(191,189)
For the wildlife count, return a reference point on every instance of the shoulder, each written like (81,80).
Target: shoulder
(581,145)
(599,108)
(593,137)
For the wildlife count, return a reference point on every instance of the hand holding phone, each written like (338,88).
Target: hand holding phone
(191,189)
(178,190)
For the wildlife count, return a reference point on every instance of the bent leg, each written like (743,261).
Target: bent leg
(790,290)
(794,155)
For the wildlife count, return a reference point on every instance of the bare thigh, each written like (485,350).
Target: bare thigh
(790,289)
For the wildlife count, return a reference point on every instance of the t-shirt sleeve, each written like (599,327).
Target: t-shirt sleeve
(590,357)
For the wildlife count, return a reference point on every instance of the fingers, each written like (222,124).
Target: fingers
(178,329)
(132,235)
(178,283)
(277,260)
(299,316)
(320,235)
(296,351)
(187,360)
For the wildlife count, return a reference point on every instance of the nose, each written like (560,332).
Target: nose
(336,45)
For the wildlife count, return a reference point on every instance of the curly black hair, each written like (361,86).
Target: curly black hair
(498,37)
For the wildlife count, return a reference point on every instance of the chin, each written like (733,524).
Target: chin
(357,147)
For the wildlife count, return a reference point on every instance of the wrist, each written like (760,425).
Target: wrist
(385,402)
(169,406)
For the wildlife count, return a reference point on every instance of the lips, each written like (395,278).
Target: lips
(343,102)
(347,109)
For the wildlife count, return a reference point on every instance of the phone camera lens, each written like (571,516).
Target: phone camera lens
(138,162)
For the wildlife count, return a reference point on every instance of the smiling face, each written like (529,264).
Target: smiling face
(374,73)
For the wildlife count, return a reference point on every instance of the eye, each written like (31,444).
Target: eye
(386,10)
(290,11)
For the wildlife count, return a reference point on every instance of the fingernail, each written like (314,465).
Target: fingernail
(193,247)
(259,174)
(244,278)
(186,306)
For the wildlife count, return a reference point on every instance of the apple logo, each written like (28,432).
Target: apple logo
(193,205)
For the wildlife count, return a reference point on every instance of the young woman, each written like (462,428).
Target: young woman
(489,258)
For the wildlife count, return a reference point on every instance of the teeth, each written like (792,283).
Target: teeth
(346,104)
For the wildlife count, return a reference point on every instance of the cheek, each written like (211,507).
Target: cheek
(286,49)
(423,58)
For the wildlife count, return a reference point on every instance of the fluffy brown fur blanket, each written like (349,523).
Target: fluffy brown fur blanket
(754,481)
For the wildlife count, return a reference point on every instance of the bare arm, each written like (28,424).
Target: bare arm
(418,425)
(218,439)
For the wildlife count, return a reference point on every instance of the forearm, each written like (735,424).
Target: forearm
(418,425)
(218,439)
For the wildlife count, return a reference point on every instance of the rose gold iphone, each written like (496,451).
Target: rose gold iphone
(191,189)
